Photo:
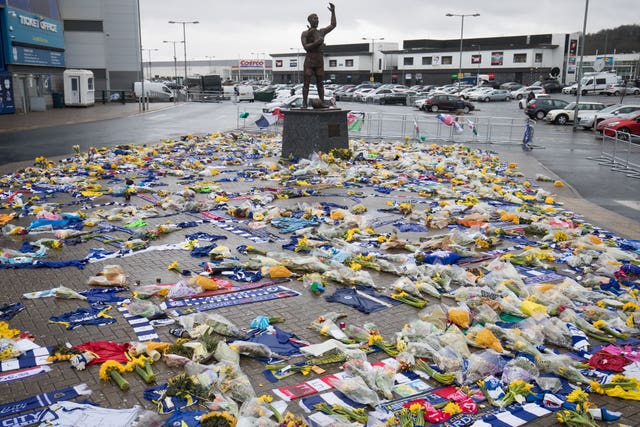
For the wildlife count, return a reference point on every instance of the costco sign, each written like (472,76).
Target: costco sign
(252,63)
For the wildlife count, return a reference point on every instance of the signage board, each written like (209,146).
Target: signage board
(34,56)
(33,29)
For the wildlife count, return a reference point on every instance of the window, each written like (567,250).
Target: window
(90,83)
(348,62)
(447,60)
(538,57)
(408,60)
(333,63)
(519,58)
(601,81)
(427,60)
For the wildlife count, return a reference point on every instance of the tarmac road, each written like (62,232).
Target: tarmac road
(565,153)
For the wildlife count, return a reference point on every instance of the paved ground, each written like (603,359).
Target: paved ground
(148,267)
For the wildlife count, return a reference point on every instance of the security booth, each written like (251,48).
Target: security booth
(79,89)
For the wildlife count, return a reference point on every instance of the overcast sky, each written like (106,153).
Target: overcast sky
(240,29)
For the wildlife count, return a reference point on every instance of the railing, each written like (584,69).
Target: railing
(417,126)
(621,152)
(196,95)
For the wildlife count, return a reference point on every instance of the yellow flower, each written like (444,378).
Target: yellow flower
(549,200)
(174,266)
(558,184)
(355,266)
(578,396)
(452,408)
(266,398)
(336,215)
(630,306)
(599,324)
(560,236)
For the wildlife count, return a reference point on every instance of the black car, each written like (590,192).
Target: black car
(551,86)
(394,98)
(439,102)
(539,107)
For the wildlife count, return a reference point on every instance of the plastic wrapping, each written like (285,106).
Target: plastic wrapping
(357,390)
(481,365)
(519,368)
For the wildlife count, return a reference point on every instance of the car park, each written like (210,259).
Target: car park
(294,101)
(539,107)
(523,92)
(622,126)
(565,115)
(443,101)
(493,95)
(622,89)
(587,119)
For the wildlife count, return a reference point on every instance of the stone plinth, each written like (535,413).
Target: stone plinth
(308,131)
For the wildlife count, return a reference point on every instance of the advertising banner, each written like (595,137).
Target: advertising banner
(497,58)
(7,103)
(476,59)
(573,49)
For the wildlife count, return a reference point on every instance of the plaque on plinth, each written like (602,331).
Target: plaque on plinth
(307,131)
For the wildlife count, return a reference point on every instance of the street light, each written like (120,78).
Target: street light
(373,43)
(184,40)
(175,58)
(461,15)
(264,63)
(297,49)
(149,52)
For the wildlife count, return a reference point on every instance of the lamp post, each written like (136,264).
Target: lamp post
(175,58)
(461,15)
(579,88)
(373,54)
(264,70)
(184,40)
(149,53)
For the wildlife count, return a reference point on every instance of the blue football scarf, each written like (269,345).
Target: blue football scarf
(41,400)
(28,359)
(103,295)
(167,404)
(92,315)
(7,311)
(362,299)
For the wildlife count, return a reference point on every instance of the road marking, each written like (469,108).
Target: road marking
(633,204)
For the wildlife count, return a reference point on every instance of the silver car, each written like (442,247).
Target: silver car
(494,95)
(590,119)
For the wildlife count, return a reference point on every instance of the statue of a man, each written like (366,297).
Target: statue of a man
(313,43)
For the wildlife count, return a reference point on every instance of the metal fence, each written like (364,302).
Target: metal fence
(417,126)
(621,152)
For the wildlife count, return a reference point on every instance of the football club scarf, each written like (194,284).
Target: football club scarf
(28,359)
(66,413)
(7,311)
(23,373)
(167,404)
(92,315)
(355,121)
(43,399)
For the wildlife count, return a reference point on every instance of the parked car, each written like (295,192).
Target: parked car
(443,101)
(622,89)
(552,86)
(539,107)
(294,101)
(493,95)
(624,125)
(522,103)
(511,86)
(472,92)
(396,97)
(565,115)
(588,119)
(570,90)
(524,91)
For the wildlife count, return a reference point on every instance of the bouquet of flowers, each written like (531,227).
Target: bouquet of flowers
(619,386)
(358,415)
(481,365)
(112,370)
(223,326)
(357,390)
(254,349)
(327,327)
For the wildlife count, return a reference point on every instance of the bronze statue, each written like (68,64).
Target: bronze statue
(313,43)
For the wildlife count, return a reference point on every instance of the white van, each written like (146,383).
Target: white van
(155,91)
(597,83)
(244,93)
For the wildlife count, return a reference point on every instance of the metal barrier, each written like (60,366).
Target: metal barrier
(427,127)
(621,152)
(205,95)
(114,96)
(420,126)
